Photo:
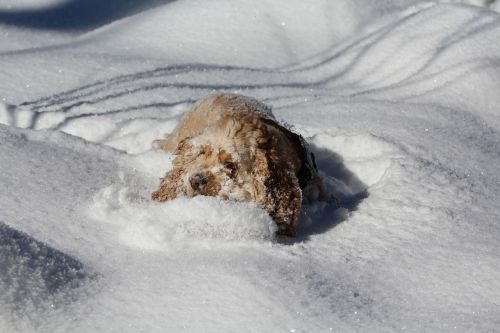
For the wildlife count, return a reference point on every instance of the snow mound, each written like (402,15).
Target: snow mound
(402,108)
(155,226)
(133,135)
(365,155)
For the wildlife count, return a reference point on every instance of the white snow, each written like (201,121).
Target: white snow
(399,99)
(150,226)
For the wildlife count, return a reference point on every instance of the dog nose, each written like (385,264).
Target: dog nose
(198,181)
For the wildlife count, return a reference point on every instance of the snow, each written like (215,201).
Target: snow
(399,100)
(157,227)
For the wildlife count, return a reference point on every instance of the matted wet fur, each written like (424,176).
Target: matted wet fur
(231,146)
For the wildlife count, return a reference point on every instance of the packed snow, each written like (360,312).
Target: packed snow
(399,100)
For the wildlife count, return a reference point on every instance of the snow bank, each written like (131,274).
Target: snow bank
(156,226)
(264,34)
(398,99)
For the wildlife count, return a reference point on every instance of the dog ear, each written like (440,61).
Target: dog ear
(277,189)
(171,186)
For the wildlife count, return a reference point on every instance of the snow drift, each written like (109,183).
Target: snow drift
(399,100)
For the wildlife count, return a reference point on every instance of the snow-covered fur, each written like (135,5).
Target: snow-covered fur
(232,147)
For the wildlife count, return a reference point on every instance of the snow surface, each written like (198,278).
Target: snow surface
(400,100)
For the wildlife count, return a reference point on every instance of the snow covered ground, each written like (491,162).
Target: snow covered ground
(401,100)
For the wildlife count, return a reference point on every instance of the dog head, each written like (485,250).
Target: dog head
(238,159)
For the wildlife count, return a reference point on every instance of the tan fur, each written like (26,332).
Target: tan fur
(227,146)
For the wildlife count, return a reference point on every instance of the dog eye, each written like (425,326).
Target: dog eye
(231,167)
(205,150)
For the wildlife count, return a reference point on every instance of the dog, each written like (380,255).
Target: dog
(231,146)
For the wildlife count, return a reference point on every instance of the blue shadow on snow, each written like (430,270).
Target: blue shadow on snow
(31,270)
(76,15)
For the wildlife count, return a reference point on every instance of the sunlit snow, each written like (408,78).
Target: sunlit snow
(399,100)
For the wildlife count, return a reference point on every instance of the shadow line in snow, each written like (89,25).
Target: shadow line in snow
(77,15)
(322,74)
(33,273)
(97,87)
(109,113)
(292,78)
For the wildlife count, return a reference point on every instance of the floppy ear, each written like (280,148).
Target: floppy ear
(277,189)
(171,186)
